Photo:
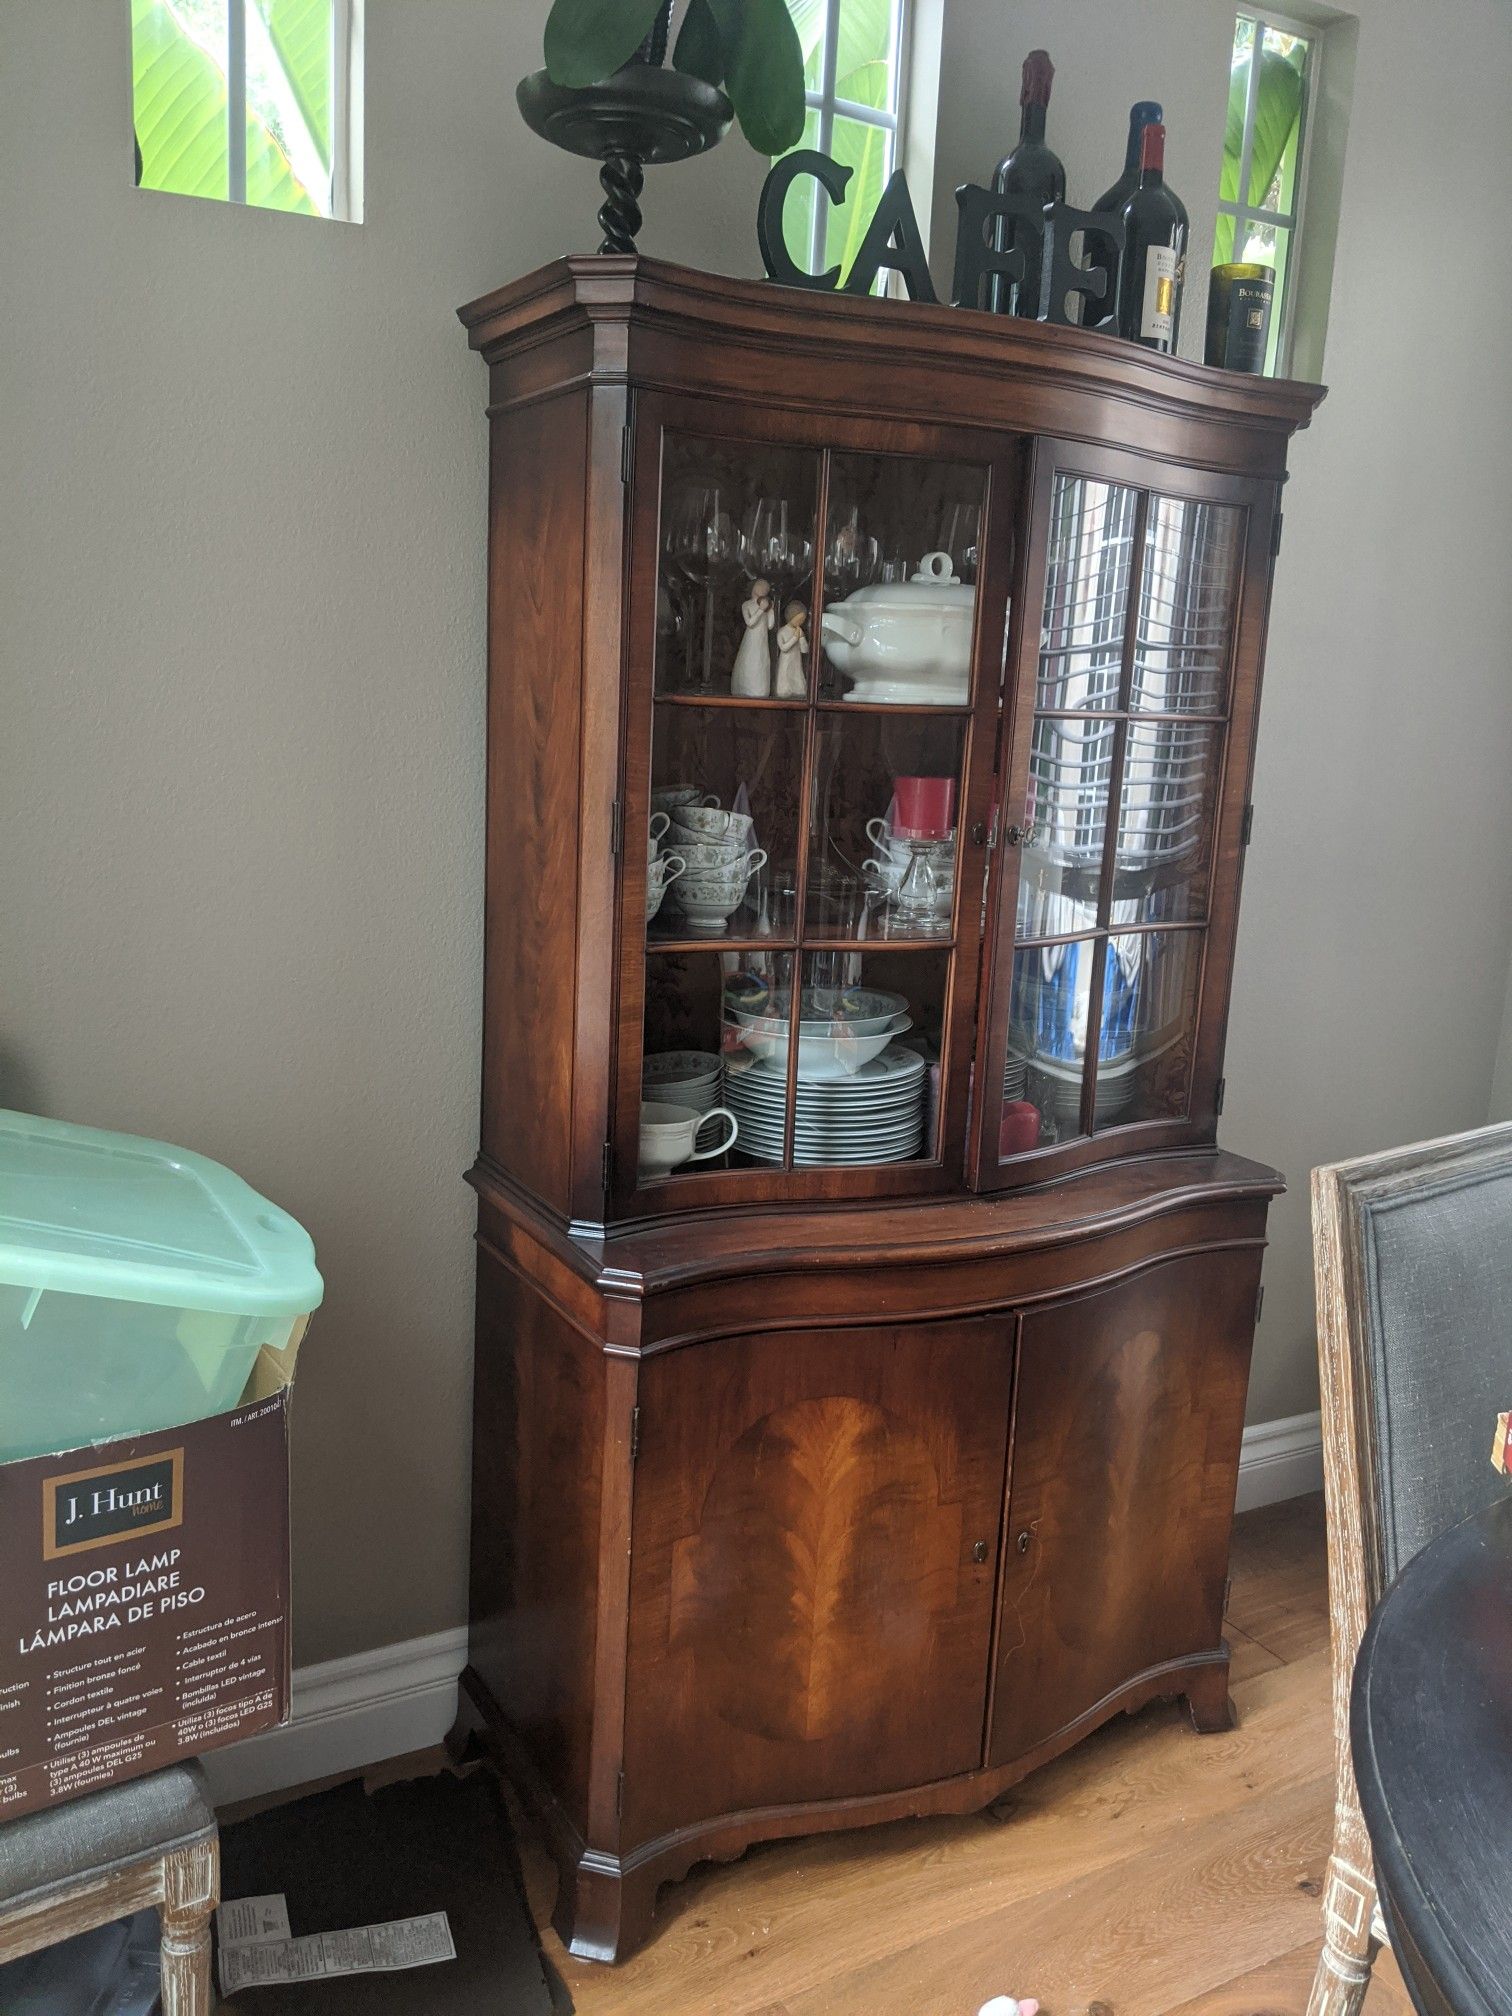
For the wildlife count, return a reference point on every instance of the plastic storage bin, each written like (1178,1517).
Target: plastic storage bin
(138,1282)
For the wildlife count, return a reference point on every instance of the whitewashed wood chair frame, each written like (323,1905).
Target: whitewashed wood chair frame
(181,1882)
(1348,1201)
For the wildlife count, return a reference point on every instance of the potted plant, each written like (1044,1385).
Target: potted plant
(608,92)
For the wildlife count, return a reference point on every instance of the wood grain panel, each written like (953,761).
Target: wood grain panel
(538,1433)
(1127,1423)
(535,640)
(809,1618)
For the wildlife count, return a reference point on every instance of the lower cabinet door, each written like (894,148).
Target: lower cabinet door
(1127,1425)
(814,1548)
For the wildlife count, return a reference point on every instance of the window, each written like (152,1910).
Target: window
(250,101)
(1271,79)
(853,74)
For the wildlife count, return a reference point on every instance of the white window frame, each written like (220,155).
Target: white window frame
(828,106)
(1290,221)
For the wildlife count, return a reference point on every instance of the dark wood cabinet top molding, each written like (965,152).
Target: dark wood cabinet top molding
(944,365)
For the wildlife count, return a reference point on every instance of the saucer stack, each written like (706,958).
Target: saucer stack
(875,1114)
(685,1078)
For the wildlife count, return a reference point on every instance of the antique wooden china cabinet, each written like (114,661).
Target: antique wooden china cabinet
(855,1468)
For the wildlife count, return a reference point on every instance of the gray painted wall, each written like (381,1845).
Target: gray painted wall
(241,570)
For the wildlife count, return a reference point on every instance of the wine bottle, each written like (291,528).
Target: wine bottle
(1113,198)
(1154,260)
(1031,170)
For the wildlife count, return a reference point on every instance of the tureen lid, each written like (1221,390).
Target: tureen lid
(935,586)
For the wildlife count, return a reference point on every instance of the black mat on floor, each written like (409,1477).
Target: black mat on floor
(346,1858)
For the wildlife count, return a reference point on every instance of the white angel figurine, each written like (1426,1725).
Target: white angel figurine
(752,677)
(792,649)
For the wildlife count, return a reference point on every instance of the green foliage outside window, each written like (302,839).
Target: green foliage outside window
(866,61)
(181,98)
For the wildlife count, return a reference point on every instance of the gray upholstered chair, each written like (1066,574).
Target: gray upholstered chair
(149,1844)
(1413,1258)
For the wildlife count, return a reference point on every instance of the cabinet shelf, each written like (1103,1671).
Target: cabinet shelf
(731,700)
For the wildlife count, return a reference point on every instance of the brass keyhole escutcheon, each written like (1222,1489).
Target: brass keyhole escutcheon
(1022,1543)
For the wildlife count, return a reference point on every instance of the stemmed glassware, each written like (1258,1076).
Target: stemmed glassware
(701,545)
(960,533)
(852,559)
(776,547)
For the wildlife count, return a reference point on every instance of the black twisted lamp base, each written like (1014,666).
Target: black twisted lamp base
(640,116)
(621,178)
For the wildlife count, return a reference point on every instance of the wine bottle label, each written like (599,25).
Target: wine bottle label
(1157,321)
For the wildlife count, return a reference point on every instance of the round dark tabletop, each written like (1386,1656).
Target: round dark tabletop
(1431,1732)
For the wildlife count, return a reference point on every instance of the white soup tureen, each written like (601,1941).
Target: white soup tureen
(906,642)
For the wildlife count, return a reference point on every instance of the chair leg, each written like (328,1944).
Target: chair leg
(1349,1942)
(191,1888)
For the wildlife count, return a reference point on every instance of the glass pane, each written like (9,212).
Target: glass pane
(868,1059)
(867,149)
(723,839)
(866,61)
(1070,777)
(1278,120)
(736,572)
(289,48)
(803,198)
(900,563)
(1186,607)
(1149,1019)
(1047,1045)
(1165,810)
(1086,593)
(887,787)
(178,63)
(683,1128)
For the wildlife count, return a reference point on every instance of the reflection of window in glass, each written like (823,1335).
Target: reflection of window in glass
(853,62)
(250,101)
(1273,74)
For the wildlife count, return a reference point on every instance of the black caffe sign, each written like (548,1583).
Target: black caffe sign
(992,231)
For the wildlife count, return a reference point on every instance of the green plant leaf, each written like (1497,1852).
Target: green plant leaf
(700,46)
(764,68)
(1278,114)
(588,40)
(300,31)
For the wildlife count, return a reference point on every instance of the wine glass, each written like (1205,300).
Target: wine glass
(701,544)
(960,533)
(775,546)
(851,559)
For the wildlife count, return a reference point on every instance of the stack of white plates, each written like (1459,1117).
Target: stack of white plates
(875,1114)
(1015,1075)
(1059,1090)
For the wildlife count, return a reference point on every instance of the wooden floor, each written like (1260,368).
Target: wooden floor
(1149,1873)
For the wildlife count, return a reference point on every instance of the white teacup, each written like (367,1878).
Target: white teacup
(667,1135)
(675,797)
(714,857)
(707,822)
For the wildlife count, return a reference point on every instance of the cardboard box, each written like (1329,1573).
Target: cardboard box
(144,1603)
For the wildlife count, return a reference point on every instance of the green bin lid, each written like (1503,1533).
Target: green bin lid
(84,1212)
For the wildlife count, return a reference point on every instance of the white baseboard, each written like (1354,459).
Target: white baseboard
(353,1712)
(1280,1459)
(349,1713)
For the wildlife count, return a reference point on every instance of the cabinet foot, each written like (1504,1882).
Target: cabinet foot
(1207,1699)
(603,1914)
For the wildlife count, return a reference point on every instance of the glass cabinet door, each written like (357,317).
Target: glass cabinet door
(817,638)
(1115,840)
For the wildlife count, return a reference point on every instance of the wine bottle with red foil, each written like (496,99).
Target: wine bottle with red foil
(1114,197)
(1154,260)
(1032,170)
